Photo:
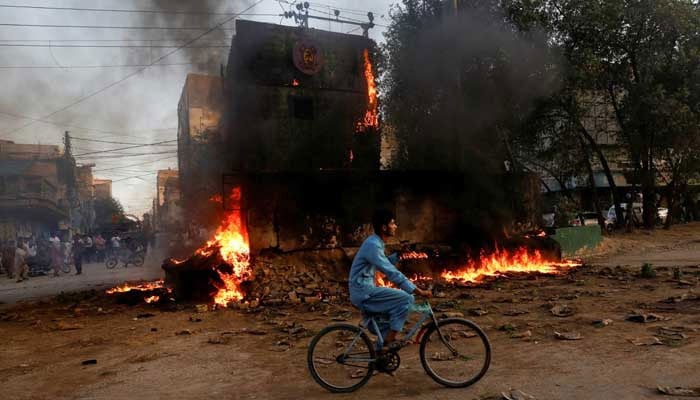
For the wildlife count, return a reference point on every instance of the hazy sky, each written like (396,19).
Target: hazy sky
(143,107)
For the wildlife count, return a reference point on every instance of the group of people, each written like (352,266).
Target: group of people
(52,254)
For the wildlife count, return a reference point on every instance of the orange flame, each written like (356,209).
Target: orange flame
(231,240)
(413,255)
(216,198)
(140,287)
(295,82)
(152,299)
(502,261)
(371,117)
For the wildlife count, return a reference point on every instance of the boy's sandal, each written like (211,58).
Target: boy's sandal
(396,345)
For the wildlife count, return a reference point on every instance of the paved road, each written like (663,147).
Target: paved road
(94,276)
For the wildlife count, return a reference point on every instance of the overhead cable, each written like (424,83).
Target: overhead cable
(132,74)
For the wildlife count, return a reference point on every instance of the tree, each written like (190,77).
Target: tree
(108,213)
(643,56)
(455,84)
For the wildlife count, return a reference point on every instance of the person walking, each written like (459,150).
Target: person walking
(78,254)
(88,249)
(100,244)
(8,258)
(21,267)
(56,254)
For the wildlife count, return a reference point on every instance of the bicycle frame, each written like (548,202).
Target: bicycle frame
(417,327)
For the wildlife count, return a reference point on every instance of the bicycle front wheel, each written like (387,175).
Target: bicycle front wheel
(137,260)
(65,267)
(111,262)
(341,358)
(460,357)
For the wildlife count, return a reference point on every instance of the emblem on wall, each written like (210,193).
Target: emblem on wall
(307,57)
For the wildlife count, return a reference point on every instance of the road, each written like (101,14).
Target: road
(94,276)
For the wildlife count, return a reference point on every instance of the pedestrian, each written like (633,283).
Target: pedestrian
(100,244)
(78,254)
(89,249)
(8,258)
(56,254)
(366,296)
(21,267)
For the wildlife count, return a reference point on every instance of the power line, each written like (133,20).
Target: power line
(104,40)
(110,142)
(92,66)
(133,177)
(124,10)
(129,46)
(125,155)
(134,165)
(165,28)
(126,148)
(112,133)
(82,99)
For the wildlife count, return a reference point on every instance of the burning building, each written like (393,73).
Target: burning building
(299,132)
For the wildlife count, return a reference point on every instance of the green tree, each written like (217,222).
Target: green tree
(108,212)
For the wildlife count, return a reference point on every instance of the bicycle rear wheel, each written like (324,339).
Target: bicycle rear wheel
(341,358)
(461,359)
(137,260)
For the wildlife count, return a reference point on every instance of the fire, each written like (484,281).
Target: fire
(413,255)
(140,287)
(216,199)
(152,299)
(371,117)
(502,261)
(295,82)
(231,240)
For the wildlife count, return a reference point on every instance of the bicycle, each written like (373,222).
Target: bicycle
(447,346)
(133,257)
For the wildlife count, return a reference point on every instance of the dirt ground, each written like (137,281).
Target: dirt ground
(142,352)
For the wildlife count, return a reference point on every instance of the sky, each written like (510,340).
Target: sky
(107,94)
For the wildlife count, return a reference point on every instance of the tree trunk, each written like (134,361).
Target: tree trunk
(591,182)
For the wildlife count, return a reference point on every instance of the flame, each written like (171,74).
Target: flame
(502,261)
(152,299)
(413,255)
(371,117)
(231,240)
(216,199)
(295,82)
(140,287)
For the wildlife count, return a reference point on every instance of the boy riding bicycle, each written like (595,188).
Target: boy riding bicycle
(369,298)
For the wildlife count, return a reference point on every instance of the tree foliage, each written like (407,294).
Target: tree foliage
(108,212)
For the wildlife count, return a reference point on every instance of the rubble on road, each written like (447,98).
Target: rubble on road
(679,391)
(562,310)
(642,317)
(517,395)
(568,335)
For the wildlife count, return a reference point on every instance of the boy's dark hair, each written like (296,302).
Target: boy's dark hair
(381,217)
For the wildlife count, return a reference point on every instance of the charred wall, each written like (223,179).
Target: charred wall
(327,209)
(287,115)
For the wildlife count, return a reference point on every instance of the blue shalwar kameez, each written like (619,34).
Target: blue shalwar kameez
(372,299)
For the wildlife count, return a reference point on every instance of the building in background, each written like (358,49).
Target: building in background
(34,187)
(167,212)
(83,213)
(200,157)
(103,189)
